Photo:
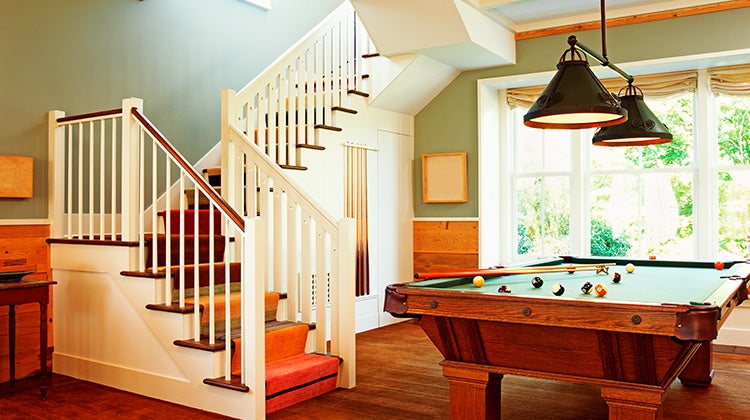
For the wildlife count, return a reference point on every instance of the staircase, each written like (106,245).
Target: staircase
(292,374)
(234,298)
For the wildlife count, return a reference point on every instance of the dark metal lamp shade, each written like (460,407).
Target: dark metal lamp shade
(574,99)
(641,129)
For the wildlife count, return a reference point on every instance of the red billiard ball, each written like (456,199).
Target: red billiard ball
(719,265)
(600,290)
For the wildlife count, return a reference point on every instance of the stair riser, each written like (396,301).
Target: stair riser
(204,275)
(203,250)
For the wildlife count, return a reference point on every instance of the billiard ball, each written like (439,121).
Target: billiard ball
(719,265)
(504,289)
(558,289)
(587,287)
(616,277)
(478,281)
(571,269)
(600,290)
(629,267)
(537,282)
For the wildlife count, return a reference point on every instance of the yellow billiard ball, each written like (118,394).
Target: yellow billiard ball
(629,267)
(478,281)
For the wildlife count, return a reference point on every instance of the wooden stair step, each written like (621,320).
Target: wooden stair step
(342,109)
(327,127)
(204,247)
(310,146)
(291,374)
(213,176)
(294,167)
(358,92)
(204,269)
(299,378)
(203,215)
(202,199)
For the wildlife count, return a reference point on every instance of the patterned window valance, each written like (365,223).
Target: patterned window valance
(733,80)
(661,85)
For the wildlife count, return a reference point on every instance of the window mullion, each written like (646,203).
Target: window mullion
(580,226)
(706,198)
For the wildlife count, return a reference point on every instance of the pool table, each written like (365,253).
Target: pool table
(653,326)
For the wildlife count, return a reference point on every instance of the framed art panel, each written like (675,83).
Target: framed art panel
(444,178)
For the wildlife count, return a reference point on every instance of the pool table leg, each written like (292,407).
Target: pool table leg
(634,402)
(474,392)
(699,370)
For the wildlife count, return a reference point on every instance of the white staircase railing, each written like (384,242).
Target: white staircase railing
(115,177)
(281,108)
(264,127)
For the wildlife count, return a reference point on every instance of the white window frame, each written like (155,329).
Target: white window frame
(496,197)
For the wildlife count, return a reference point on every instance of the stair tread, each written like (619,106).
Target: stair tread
(327,127)
(343,109)
(235,383)
(294,167)
(310,146)
(204,344)
(358,92)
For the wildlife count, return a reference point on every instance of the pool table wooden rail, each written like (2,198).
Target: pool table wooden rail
(684,322)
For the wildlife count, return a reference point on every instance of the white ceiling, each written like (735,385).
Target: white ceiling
(527,15)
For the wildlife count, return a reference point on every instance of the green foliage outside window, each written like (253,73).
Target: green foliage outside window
(604,243)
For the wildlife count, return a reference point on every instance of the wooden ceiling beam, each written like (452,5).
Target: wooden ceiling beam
(632,19)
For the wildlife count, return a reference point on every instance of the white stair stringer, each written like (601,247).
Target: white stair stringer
(103,333)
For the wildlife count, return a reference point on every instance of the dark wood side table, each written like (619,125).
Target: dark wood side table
(16,293)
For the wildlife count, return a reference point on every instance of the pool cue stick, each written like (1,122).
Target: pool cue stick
(358,210)
(505,271)
(365,223)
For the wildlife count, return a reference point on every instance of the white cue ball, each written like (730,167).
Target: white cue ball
(629,267)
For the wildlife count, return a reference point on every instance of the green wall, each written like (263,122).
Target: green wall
(449,122)
(81,56)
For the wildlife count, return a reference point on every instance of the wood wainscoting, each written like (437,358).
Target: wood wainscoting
(25,244)
(445,245)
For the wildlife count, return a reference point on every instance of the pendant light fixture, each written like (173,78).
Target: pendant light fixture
(575,98)
(642,127)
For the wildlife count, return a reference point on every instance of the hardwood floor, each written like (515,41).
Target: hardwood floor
(398,378)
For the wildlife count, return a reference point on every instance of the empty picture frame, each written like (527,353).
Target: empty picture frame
(16,176)
(444,178)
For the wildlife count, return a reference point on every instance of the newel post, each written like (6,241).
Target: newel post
(130,163)
(56,174)
(344,305)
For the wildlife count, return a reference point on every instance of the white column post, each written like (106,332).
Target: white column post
(253,315)
(343,305)
(130,177)
(56,174)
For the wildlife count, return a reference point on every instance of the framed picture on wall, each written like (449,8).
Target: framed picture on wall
(444,178)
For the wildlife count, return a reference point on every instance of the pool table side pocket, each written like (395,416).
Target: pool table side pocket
(697,324)
(395,302)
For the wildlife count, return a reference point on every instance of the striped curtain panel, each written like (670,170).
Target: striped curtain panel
(356,208)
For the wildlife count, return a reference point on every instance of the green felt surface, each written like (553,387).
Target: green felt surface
(647,284)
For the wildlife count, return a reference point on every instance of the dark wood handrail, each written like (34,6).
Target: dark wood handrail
(90,115)
(188,168)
